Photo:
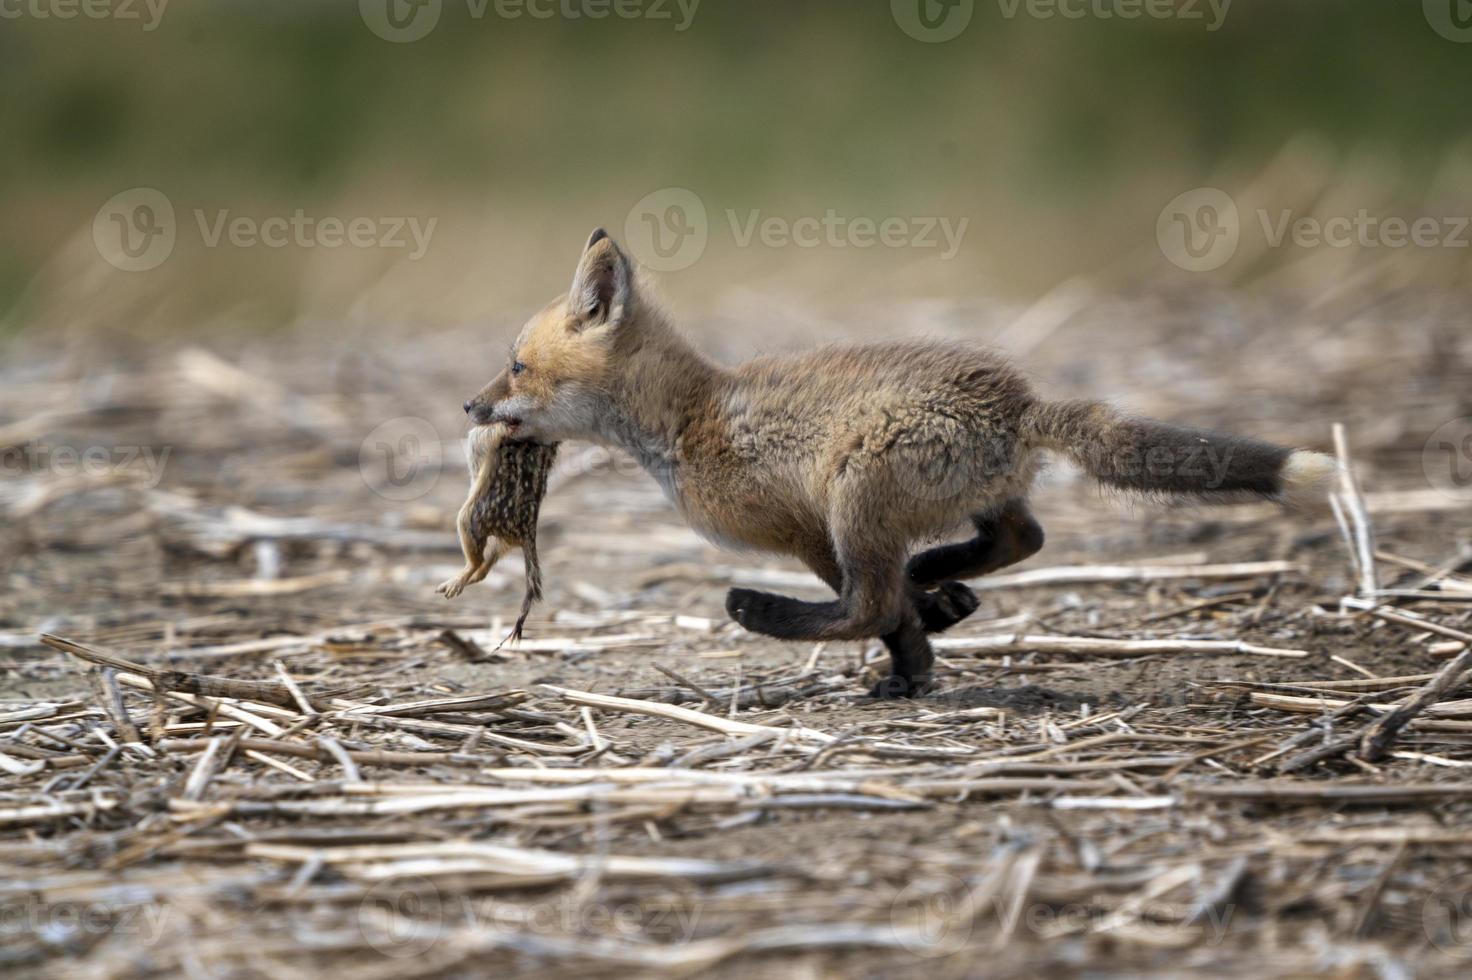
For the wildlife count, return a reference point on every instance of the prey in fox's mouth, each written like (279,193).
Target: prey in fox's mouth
(508,480)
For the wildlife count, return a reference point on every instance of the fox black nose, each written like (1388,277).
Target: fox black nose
(468,407)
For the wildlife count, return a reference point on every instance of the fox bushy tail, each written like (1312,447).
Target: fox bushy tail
(1147,456)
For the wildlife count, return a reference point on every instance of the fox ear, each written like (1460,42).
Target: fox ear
(603,285)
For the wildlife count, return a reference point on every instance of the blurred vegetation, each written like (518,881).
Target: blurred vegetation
(1060,139)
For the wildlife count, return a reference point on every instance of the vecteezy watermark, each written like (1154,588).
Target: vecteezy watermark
(933,21)
(834,230)
(937,915)
(1447,459)
(61,924)
(1201,230)
(402,917)
(149,13)
(941,473)
(35,459)
(401,459)
(137,230)
(307,231)
(1363,230)
(1452,19)
(405,916)
(403,21)
(645,919)
(1198,230)
(400,21)
(936,21)
(1212,13)
(1446,916)
(669,229)
(934,916)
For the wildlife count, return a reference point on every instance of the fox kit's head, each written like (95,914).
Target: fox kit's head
(562,362)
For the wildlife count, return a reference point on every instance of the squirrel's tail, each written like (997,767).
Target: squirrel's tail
(533,592)
(1147,456)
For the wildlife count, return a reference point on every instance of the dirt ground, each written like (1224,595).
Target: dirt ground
(219,507)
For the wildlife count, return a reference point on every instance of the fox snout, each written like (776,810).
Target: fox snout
(480,412)
(481,407)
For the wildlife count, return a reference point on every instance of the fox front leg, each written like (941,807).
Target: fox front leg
(910,655)
(872,596)
(764,612)
(874,601)
(911,661)
(785,617)
(938,610)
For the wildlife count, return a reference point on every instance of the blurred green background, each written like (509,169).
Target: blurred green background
(1059,140)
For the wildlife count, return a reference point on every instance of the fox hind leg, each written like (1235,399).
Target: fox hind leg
(1003,539)
(950,603)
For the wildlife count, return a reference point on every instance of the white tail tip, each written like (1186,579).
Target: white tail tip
(1306,479)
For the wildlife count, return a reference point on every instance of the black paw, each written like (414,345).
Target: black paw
(780,616)
(752,609)
(946,606)
(738,601)
(898,686)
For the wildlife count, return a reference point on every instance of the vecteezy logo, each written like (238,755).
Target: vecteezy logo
(668,230)
(135,230)
(400,21)
(1452,19)
(402,917)
(932,21)
(1447,460)
(1199,230)
(933,918)
(400,460)
(1446,916)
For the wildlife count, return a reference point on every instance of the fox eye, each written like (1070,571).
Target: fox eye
(517,367)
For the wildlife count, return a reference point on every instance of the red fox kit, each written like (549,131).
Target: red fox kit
(845,457)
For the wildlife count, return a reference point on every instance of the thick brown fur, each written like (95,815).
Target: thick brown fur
(844,457)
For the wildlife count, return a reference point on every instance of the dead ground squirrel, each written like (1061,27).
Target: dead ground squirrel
(508,480)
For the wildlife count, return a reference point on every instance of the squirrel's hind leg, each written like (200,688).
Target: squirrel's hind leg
(475,571)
